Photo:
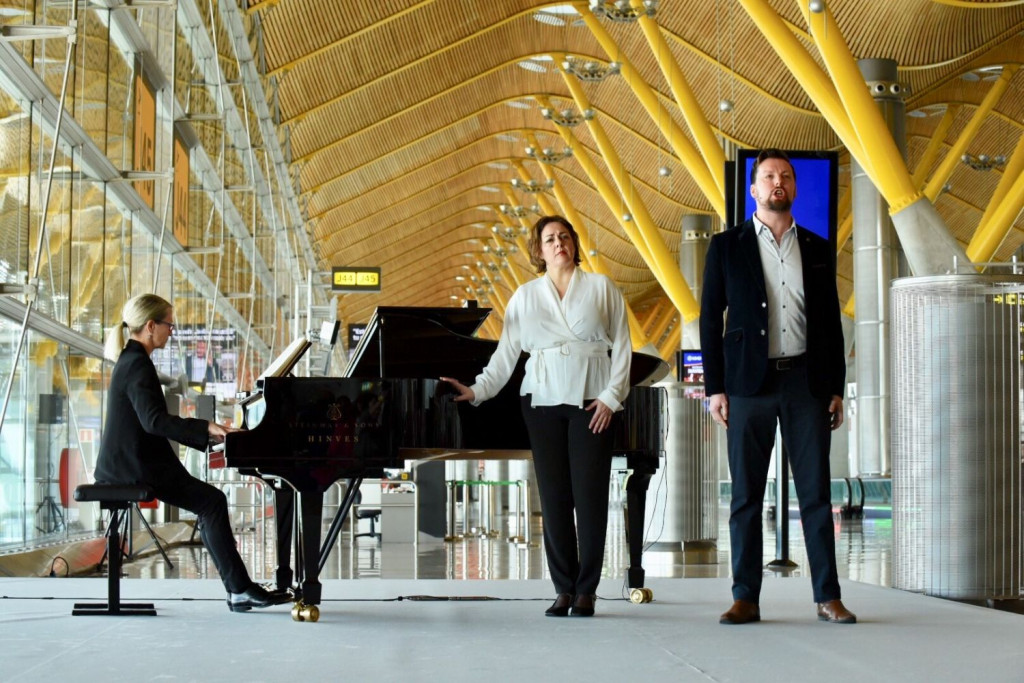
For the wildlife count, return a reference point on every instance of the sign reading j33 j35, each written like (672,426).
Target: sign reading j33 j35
(355,279)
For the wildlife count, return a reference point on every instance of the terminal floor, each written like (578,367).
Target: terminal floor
(375,629)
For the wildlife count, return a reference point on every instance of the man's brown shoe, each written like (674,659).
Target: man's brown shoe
(834,612)
(741,612)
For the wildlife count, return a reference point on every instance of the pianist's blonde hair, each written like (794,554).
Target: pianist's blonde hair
(137,311)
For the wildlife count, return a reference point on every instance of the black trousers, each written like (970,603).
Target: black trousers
(210,505)
(573,467)
(804,420)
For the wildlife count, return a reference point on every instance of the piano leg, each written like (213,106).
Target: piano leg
(351,491)
(312,506)
(636,503)
(284,511)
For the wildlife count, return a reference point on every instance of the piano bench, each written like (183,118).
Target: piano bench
(118,498)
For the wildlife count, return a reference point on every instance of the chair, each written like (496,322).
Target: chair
(120,499)
(370,511)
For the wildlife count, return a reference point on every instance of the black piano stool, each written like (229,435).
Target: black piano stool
(119,499)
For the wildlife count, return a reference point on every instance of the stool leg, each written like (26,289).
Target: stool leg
(113,606)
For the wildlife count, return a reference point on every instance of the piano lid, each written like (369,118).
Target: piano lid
(430,342)
(421,342)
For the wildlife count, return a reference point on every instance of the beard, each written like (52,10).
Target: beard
(779,204)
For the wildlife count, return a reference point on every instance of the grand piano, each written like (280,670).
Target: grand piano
(389,407)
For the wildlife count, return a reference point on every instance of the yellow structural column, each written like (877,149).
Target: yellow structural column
(952,158)
(636,332)
(606,190)
(664,320)
(1006,202)
(931,152)
(807,72)
(691,159)
(507,263)
(549,209)
(707,142)
(885,164)
(652,315)
(671,343)
(665,269)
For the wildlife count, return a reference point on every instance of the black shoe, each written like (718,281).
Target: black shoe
(583,606)
(254,596)
(560,607)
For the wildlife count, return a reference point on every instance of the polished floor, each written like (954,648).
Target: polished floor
(863,549)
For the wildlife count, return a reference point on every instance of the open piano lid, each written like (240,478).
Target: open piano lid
(429,342)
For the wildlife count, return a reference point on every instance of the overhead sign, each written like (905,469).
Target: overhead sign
(355,279)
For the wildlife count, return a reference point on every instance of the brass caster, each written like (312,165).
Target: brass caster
(640,596)
(303,612)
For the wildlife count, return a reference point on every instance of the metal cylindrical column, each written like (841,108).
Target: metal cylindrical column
(693,247)
(875,259)
(956,468)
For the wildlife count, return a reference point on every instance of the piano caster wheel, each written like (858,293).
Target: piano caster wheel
(304,612)
(640,596)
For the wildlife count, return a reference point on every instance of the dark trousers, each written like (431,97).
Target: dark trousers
(211,507)
(804,419)
(573,467)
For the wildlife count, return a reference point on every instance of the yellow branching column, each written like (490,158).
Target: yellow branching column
(645,232)
(967,135)
(849,109)
(1004,206)
(695,164)
(636,332)
(931,152)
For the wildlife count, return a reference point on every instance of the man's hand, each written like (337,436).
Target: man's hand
(719,407)
(835,409)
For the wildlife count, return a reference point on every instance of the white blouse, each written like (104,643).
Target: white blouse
(568,341)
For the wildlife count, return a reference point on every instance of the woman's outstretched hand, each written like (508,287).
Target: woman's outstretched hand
(465,393)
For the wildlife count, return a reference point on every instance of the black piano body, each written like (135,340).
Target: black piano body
(390,407)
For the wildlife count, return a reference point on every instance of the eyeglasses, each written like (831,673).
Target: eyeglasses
(170,326)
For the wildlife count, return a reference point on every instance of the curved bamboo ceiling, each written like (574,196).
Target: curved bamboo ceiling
(405,120)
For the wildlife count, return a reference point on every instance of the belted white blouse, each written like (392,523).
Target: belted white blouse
(568,340)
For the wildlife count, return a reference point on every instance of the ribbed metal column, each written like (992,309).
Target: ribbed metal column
(956,470)
(874,266)
(696,231)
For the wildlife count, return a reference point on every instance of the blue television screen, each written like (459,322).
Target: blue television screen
(817,189)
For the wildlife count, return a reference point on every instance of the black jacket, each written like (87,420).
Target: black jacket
(736,351)
(134,448)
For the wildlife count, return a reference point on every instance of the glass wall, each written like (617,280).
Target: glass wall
(159,181)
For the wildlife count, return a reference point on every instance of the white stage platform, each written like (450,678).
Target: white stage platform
(367,633)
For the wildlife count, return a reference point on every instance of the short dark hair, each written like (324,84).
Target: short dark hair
(765,155)
(534,242)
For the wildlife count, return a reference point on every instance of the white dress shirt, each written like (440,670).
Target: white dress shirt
(784,286)
(568,341)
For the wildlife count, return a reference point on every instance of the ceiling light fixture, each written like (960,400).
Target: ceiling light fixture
(567,118)
(622,11)
(547,155)
(532,186)
(984,162)
(589,70)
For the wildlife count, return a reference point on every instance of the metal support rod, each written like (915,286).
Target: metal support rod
(781,561)
(31,296)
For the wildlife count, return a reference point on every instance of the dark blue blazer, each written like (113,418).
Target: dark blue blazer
(735,347)
(134,448)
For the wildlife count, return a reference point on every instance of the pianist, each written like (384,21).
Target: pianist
(568,321)
(135,447)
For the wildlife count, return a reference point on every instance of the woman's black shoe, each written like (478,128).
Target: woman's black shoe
(583,606)
(560,607)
